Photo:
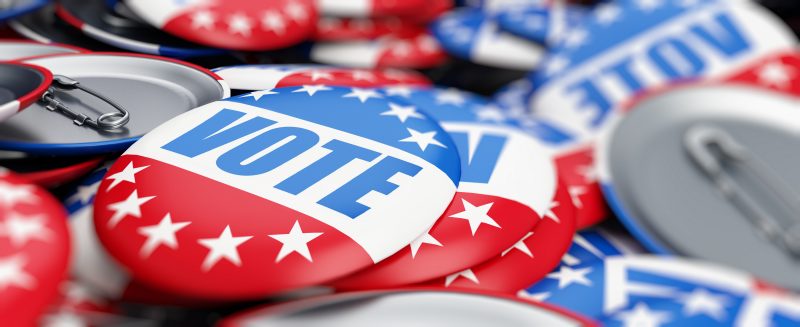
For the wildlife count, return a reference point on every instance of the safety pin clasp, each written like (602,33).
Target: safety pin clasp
(713,149)
(107,121)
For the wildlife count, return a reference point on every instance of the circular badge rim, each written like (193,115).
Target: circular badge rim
(111,145)
(32,96)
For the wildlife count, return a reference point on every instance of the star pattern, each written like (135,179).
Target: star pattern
(131,206)
(11,194)
(476,215)
(273,21)
(240,24)
(450,96)
(22,229)
(423,140)
(203,19)
(422,239)
(567,276)
(776,74)
(317,74)
(296,241)
(258,94)
(552,215)
(226,246)
(402,113)
(701,301)
(607,14)
(128,174)
(468,274)
(12,273)
(403,91)
(84,193)
(162,233)
(362,94)
(520,246)
(575,193)
(312,89)
(642,316)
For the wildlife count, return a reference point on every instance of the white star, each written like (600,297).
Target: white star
(274,22)
(450,96)
(536,297)
(468,274)
(162,233)
(312,89)
(84,193)
(130,206)
(258,94)
(362,94)
(403,91)
(550,214)
(12,274)
(642,316)
(567,276)
(521,246)
(296,11)
(701,301)
(776,74)
(576,38)
(203,19)
(224,246)
(240,24)
(402,112)
(476,216)
(422,139)
(10,194)
(126,175)
(21,229)
(363,75)
(648,5)
(422,239)
(318,74)
(295,241)
(490,113)
(607,14)
(555,64)
(588,172)
(575,193)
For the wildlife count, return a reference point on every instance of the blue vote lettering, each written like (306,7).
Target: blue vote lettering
(672,56)
(480,166)
(274,147)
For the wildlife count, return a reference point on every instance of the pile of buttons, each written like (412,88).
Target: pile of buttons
(402,163)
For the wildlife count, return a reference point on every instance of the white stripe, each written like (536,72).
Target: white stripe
(9,109)
(388,226)
(91,264)
(345,8)
(524,172)
(254,79)
(359,54)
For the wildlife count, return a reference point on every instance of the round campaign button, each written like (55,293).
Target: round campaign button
(45,26)
(34,250)
(779,72)
(118,27)
(299,186)
(48,171)
(232,24)
(643,290)
(20,86)
(507,184)
(526,261)
(627,47)
(266,77)
(91,265)
(574,162)
(541,24)
(19,49)
(473,35)
(16,8)
(409,307)
(98,103)
(723,157)
(349,29)
(417,50)
(370,8)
